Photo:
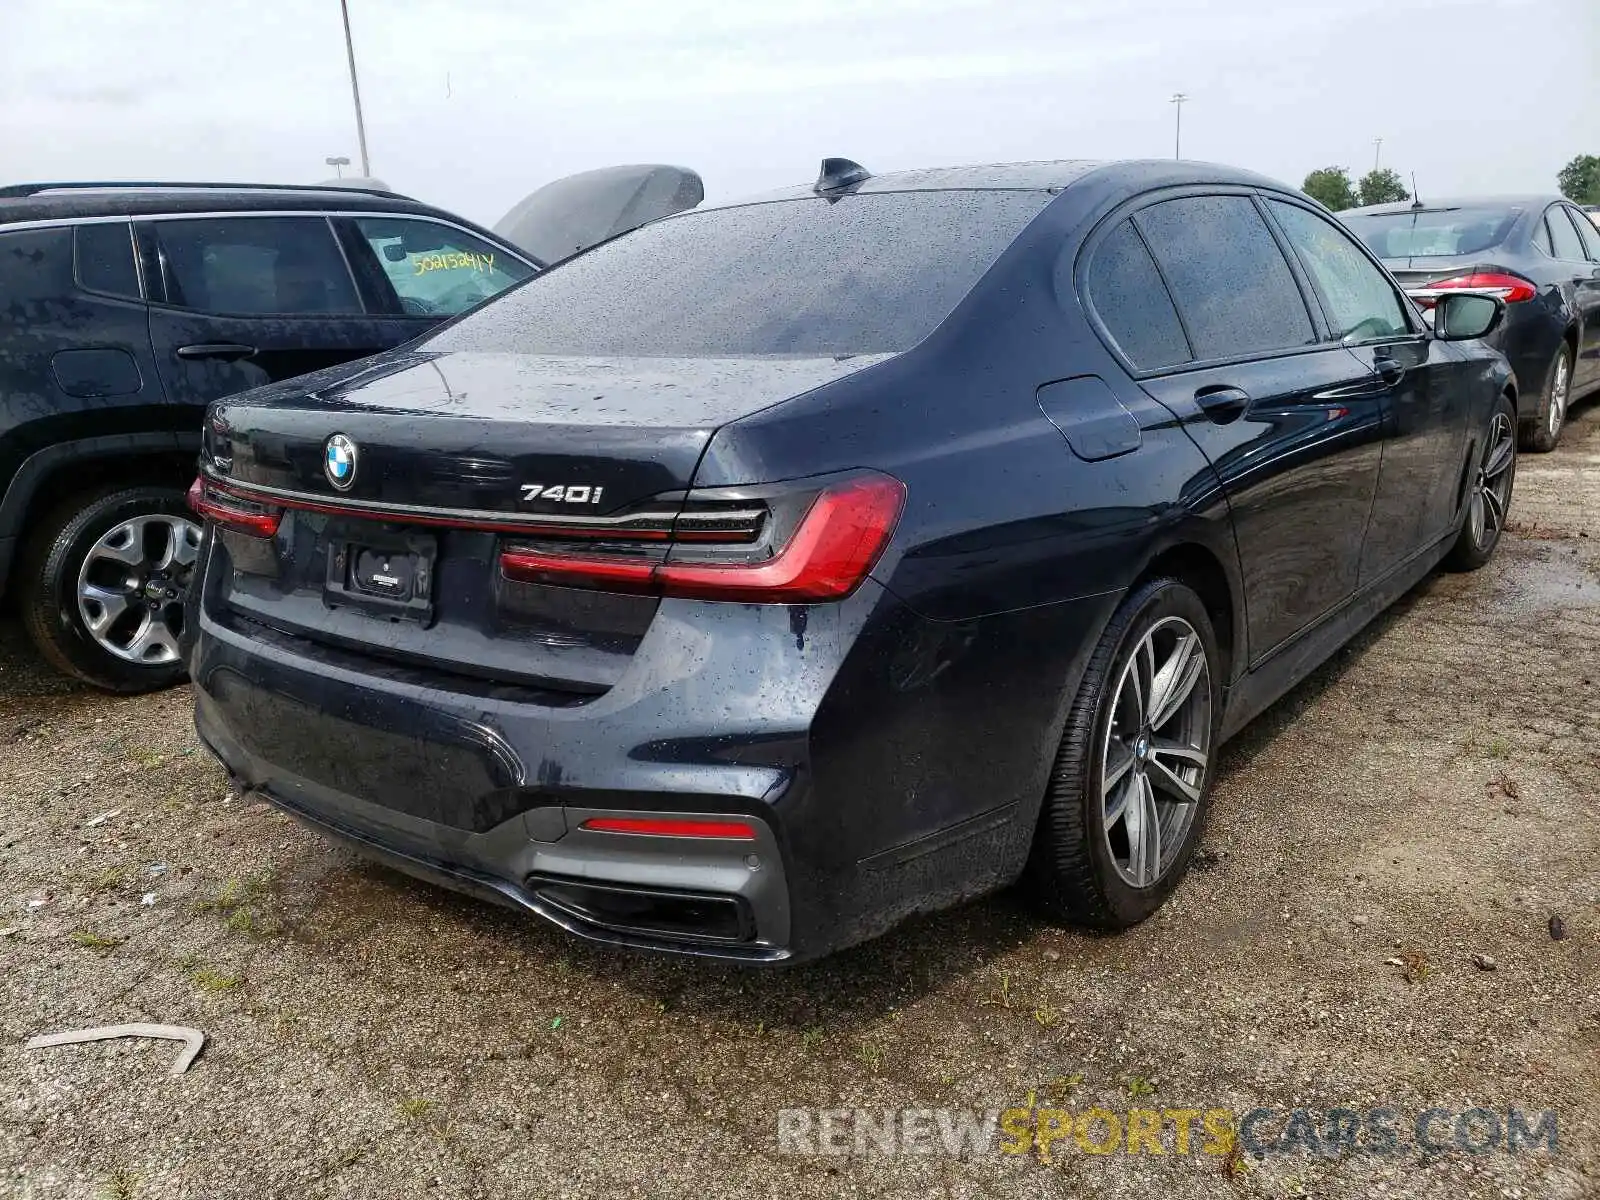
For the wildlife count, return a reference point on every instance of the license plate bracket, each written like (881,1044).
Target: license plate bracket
(383,575)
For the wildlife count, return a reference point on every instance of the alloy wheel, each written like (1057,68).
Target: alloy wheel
(131,586)
(1560,385)
(1491,492)
(1157,746)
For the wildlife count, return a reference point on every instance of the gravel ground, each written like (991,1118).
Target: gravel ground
(1426,797)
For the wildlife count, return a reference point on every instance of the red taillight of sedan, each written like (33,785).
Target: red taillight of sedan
(1513,289)
(836,540)
(233,512)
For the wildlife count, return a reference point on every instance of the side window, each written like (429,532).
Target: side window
(103,253)
(1230,281)
(437,270)
(1126,291)
(1362,305)
(1541,238)
(1563,236)
(1588,234)
(254,266)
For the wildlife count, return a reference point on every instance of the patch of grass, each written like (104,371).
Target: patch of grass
(238,902)
(90,940)
(149,762)
(1498,747)
(123,1185)
(112,879)
(1001,998)
(1047,1016)
(208,979)
(1139,1086)
(870,1054)
(415,1107)
(812,1037)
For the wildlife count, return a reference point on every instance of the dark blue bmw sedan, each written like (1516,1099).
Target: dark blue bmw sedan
(753,581)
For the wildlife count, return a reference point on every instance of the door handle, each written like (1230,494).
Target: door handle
(227,351)
(1390,370)
(1222,404)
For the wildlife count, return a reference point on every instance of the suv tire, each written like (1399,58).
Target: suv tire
(100,571)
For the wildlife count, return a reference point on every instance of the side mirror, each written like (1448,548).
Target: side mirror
(1461,316)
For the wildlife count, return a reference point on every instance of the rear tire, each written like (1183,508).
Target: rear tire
(100,586)
(1542,434)
(1489,493)
(1092,861)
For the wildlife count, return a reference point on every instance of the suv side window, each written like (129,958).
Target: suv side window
(437,270)
(1231,283)
(1361,304)
(103,258)
(255,266)
(1563,236)
(1587,233)
(1126,292)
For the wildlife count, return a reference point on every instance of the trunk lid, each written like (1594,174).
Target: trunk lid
(448,456)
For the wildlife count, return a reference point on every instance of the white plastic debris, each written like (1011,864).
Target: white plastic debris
(148,899)
(193,1039)
(37,903)
(102,818)
(157,869)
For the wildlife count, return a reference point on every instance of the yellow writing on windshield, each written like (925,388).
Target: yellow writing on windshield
(454,261)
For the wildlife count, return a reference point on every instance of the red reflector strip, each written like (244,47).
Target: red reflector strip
(736,831)
(565,570)
(209,503)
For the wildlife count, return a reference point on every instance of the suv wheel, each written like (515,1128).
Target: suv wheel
(1131,783)
(1545,432)
(102,587)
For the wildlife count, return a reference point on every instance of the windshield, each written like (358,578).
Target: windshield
(864,274)
(1432,232)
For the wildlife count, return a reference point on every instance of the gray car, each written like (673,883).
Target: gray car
(1540,254)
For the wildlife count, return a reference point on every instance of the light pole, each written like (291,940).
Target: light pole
(1377,149)
(1177,134)
(338,162)
(355,88)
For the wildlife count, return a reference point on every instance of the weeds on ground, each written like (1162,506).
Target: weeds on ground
(90,940)
(123,1185)
(415,1107)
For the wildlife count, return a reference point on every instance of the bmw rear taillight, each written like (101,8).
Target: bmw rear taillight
(1513,289)
(233,512)
(785,544)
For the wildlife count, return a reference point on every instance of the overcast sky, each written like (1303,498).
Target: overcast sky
(472,103)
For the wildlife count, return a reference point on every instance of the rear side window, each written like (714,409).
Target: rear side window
(104,255)
(1563,236)
(1587,232)
(1230,280)
(1361,304)
(853,275)
(1541,238)
(437,270)
(1126,292)
(254,266)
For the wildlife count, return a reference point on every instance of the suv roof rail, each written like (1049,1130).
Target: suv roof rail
(11,191)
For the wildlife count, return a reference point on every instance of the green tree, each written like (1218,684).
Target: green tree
(1381,186)
(1579,180)
(1330,186)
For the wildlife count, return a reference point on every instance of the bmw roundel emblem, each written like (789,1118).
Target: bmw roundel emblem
(339,461)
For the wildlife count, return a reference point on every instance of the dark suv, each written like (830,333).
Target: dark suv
(124,309)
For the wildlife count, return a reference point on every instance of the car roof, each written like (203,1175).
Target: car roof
(1435,205)
(76,201)
(1044,175)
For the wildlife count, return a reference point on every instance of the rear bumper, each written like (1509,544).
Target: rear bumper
(886,764)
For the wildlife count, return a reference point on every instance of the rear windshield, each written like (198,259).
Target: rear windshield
(1432,231)
(866,274)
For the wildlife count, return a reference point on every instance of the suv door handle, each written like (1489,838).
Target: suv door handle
(1390,370)
(1222,404)
(228,351)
